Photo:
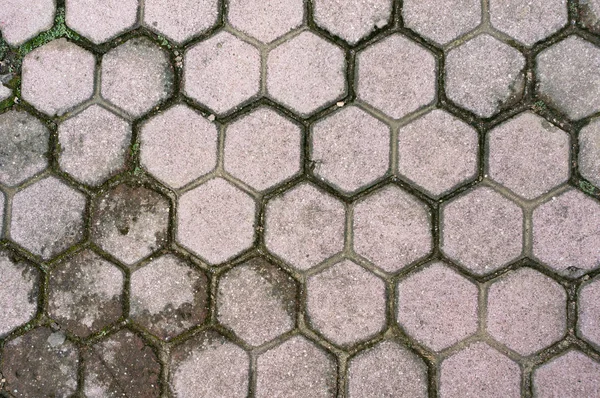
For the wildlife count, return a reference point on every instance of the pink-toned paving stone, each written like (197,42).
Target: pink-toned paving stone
(571,375)
(101,20)
(266,20)
(589,152)
(588,321)
(20,21)
(180,20)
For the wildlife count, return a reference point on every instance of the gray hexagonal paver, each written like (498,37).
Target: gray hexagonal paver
(222,72)
(136,76)
(396,75)
(346,303)
(392,229)
(482,230)
(589,312)
(589,12)
(437,152)
(19,24)
(350,149)
(306,73)
(304,226)
(178,145)
(267,22)
(263,148)
(101,20)
(24,149)
(84,293)
(180,20)
(47,217)
(94,145)
(484,74)
(57,77)
(568,76)
(437,306)
(216,220)
(589,152)
(571,375)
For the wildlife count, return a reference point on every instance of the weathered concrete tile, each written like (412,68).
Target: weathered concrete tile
(180,20)
(101,20)
(589,12)
(571,375)
(588,322)
(589,152)
(266,20)
(21,21)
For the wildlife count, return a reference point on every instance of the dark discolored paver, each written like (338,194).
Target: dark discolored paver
(130,222)
(571,375)
(101,20)
(267,22)
(85,293)
(589,11)
(168,296)
(19,23)
(40,363)
(589,152)
(180,20)
(588,321)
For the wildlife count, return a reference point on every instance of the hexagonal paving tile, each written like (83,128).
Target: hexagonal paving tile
(566,235)
(207,366)
(263,148)
(437,306)
(306,73)
(346,303)
(443,20)
(271,20)
(589,12)
(257,301)
(94,145)
(396,75)
(47,217)
(57,77)
(573,374)
(178,145)
(479,371)
(216,220)
(40,363)
(589,152)
(437,152)
(84,293)
(101,20)
(392,229)
(122,365)
(130,222)
(482,230)
(387,370)
(18,292)
(527,311)
(136,76)
(168,296)
(565,72)
(350,149)
(352,20)
(528,155)
(304,226)
(484,74)
(222,72)
(180,20)
(19,24)
(24,147)
(589,312)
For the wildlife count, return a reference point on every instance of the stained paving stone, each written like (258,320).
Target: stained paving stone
(94,145)
(85,293)
(396,75)
(479,371)
(266,20)
(482,230)
(178,145)
(589,12)
(57,77)
(181,20)
(392,229)
(589,152)
(40,363)
(526,311)
(101,20)
(130,222)
(437,152)
(18,292)
(568,73)
(263,148)
(304,226)
(121,366)
(222,72)
(306,73)
(5,92)
(24,147)
(136,76)
(571,375)
(437,306)
(216,220)
(208,365)
(387,370)
(20,21)
(442,21)
(484,75)
(47,217)
(346,303)
(350,149)
(589,312)
(566,235)
(168,296)
(352,20)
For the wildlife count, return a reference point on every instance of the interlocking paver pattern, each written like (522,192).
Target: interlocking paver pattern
(571,375)
(20,22)
(101,20)
(182,19)
(266,20)
(18,297)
